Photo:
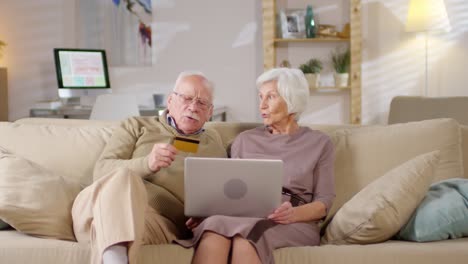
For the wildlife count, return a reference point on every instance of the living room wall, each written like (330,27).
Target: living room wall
(394,60)
(31,30)
(220,38)
(223,39)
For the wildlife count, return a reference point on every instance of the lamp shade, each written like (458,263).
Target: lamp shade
(427,15)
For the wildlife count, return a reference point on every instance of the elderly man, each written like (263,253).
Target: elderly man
(137,196)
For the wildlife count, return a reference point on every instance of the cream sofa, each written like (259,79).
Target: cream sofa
(70,147)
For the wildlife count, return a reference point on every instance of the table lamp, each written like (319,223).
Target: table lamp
(425,16)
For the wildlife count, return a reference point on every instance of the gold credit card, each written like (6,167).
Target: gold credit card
(186,144)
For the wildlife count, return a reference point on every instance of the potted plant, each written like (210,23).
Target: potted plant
(311,70)
(341,62)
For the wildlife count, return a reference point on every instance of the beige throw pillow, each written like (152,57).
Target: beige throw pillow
(34,200)
(379,210)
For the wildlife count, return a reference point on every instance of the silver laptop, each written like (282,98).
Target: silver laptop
(234,187)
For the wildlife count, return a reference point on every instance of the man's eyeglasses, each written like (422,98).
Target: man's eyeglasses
(203,104)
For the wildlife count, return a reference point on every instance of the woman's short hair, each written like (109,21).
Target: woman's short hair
(208,84)
(292,86)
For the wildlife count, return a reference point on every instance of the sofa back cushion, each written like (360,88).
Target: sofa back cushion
(71,148)
(229,130)
(364,154)
(464,136)
(70,151)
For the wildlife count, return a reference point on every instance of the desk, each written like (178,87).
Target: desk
(83,112)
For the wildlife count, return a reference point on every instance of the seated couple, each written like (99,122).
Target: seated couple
(137,196)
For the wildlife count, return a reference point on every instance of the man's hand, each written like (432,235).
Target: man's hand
(283,214)
(161,156)
(193,222)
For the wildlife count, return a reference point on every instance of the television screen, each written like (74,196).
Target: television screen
(81,68)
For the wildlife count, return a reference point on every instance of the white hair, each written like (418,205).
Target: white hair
(208,84)
(292,86)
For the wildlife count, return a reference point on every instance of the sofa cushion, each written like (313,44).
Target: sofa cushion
(379,210)
(366,153)
(17,248)
(22,249)
(34,200)
(229,130)
(69,150)
(443,213)
(464,136)
(66,122)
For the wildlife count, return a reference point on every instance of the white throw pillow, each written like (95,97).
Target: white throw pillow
(34,200)
(379,210)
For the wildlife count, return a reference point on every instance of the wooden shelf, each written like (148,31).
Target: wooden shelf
(315,40)
(271,43)
(329,89)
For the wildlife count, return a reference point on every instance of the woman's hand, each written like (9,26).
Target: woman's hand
(193,222)
(283,214)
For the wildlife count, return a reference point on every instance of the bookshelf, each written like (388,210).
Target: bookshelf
(271,42)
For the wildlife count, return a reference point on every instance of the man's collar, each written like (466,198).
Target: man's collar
(172,123)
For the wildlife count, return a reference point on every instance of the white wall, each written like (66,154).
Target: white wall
(220,38)
(394,60)
(32,29)
(203,35)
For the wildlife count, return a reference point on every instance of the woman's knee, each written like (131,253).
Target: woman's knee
(242,246)
(243,251)
(212,248)
(214,241)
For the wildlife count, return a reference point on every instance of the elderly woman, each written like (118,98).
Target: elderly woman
(308,184)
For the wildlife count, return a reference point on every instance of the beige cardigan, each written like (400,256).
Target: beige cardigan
(129,147)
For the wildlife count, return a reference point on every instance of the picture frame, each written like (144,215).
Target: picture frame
(292,23)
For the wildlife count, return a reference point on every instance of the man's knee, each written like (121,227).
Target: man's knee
(108,188)
(123,176)
(119,177)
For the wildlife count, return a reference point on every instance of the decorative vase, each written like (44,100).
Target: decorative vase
(313,79)
(341,79)
(310,22)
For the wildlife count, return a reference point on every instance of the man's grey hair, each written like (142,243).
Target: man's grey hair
(292,86)
(208,84)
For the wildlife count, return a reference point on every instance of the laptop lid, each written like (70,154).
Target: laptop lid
(234,187)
